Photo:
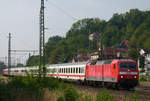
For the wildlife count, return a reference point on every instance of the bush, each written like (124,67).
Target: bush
(143,79)
(71,94)
(142,71)
(50,83)
(32,88)
(21,87)
(105,96)
(61,99)
(4,92)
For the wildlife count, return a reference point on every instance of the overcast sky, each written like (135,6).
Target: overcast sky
(21,18)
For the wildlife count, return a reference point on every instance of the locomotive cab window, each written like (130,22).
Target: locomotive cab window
(127,65)
(114,66)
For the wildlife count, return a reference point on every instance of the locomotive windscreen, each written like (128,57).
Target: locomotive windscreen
(127,65)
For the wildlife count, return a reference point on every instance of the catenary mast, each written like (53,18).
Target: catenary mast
(42,68)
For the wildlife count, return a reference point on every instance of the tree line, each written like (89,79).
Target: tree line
(133,26)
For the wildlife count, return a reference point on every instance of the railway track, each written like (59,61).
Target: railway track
(141,93)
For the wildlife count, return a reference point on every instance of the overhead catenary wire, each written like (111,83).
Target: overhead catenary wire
(62,10)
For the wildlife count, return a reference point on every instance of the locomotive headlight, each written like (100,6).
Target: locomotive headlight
(135,77)
(121,76)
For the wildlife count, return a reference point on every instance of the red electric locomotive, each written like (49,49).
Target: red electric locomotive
(121,73)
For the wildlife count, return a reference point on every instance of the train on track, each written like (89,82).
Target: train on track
(116,72)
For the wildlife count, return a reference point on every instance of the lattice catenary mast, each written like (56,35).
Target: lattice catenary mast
(42,68)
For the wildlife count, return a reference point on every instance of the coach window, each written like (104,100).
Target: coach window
(65,70)
(79,70)
(16,70)
(71,70)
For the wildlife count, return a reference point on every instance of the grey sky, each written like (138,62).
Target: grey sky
(21,18)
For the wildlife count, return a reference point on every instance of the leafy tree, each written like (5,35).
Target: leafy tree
(33,61)
(133,25)
(20,65)
(86,26)
(142,61)
(51,45)
(2,66)
(134,54)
